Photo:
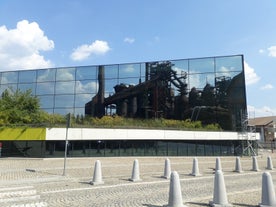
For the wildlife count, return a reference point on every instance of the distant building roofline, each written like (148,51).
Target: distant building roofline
(262,121)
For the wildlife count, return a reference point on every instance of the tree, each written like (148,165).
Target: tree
(194,98)
(19,107)
(208,95)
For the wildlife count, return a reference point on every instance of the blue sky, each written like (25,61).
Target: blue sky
(41,34)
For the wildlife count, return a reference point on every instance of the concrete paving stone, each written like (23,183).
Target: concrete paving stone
(39,182)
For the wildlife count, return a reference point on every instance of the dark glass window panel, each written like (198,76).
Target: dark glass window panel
(112,148)
(138,148)
(230,87)
(161,148)
(182,149)
(35,149)
(216,150)
(126,148)
(78,148)
(150,148)
(209,149)
(50,149)
(225,150)
(191,149)
(55,148)
(97,148)
(200,150)
(172,148)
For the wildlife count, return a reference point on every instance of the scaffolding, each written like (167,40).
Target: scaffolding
(248,134)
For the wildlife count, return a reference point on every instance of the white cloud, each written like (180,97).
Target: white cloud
(20,47)
(179,71)
(129,69)
(97,47)
(47,75)
(86,87)
(272,51)
(129,40)
(267,87)
(261,51)
(65,74)
(250,75)
(224,71)
(194,81)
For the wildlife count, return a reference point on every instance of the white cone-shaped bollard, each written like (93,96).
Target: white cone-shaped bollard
(97,177)
(218,164)
(219,197)
(195,170)
(269,163)
(268,193)
(255,166)
(238,167)
(167,169)
(175,194)
(135,177)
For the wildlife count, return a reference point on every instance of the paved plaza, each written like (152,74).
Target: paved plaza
(40,182)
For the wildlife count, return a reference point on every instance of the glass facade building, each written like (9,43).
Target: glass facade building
(199,85)
(211,89)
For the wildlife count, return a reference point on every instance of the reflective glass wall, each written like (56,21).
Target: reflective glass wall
(113,148)
(208,89)
(141,148)
(67,90)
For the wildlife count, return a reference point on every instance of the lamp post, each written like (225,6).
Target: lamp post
(273,121)
(271,130)
(68,123)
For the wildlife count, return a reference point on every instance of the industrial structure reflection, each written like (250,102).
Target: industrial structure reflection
(165,94)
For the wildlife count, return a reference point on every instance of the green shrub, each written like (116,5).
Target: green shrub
(120,122)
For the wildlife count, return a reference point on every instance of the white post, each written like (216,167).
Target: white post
(66,143)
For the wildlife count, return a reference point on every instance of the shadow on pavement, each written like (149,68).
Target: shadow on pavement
(199,204)
(244,205)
